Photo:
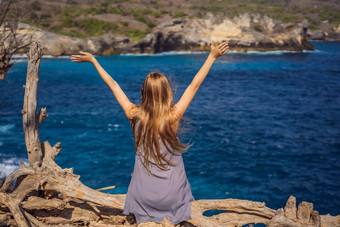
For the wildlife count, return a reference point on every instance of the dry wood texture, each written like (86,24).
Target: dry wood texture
(47,195)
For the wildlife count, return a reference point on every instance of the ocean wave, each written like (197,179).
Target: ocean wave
(271,52)
(11,164)
(24,56)
(6,128)
(275,52)
(252,52)
(59,57)
(18,60)
(17,56)
(167,53)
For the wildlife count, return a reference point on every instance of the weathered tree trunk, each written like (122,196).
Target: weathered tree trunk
(47,195)
(31,120)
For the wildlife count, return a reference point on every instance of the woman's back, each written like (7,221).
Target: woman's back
(161,193)
(164,193)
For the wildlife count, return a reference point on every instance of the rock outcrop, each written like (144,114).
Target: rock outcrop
(245,32)
(56,45)
(325,32)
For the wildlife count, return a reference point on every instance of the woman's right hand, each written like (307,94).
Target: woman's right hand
(219,50)
(83,57)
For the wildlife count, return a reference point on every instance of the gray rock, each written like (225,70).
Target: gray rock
(248,31)
(316,35)
(54,44)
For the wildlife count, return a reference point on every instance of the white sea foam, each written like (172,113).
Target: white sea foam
(11,164)
(16,56)
(6,128)
(18,60)
(168,53)
(272,52)
(51,56)
(252,52)
(24,56)
(277,52)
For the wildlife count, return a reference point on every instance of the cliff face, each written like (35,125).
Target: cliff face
(56,45)
(245,32)
(248,31)
(325,32)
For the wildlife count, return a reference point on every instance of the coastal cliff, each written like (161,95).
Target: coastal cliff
(248,31)
(245,32)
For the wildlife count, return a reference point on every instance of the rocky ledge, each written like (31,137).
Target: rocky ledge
(245,32)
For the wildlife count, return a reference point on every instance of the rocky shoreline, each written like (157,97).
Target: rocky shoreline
(245,32)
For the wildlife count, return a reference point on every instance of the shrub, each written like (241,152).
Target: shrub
(36,6)
(71,12)
(163,11)
(156,14)
(198,15)
(125,23)
(258,27)
(134,34)
(313,24)
(94,27)
(115,10)
(179,14)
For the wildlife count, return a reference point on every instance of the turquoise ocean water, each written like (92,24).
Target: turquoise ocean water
(264,126)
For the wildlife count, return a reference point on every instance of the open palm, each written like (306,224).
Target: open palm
(83,57)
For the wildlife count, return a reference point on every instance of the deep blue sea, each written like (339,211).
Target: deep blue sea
(264,126)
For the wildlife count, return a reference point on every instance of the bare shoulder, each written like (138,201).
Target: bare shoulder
(132,111)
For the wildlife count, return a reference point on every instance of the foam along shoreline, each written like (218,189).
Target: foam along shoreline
(22,57)
(249,52)
(8,165)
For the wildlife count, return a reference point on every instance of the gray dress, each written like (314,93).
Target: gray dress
(166,193)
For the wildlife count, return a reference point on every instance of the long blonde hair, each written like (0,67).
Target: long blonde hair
(156,120)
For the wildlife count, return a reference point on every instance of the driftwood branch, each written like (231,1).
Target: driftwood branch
(106,188)
(47,195)
(32,121)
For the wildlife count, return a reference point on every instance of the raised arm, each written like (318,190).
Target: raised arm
(216,51)
(122,99)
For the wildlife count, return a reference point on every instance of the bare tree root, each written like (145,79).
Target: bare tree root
(47,195)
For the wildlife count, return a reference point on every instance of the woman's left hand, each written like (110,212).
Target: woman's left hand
(220,50)
(83,57)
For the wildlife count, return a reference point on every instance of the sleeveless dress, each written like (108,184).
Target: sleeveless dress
(165,193)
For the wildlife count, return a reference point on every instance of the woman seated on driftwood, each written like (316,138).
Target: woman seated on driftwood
(159,187)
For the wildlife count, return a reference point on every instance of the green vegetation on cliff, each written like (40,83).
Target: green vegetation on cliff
(136,18)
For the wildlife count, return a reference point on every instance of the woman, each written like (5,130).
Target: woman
(159,187)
